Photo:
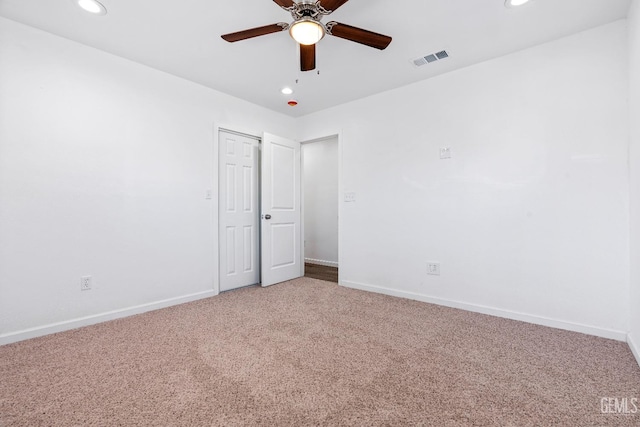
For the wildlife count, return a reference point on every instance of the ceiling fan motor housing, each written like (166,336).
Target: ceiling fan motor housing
(308,9)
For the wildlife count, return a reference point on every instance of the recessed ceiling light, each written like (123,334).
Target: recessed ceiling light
(286,91)
(92,6)
(515,3)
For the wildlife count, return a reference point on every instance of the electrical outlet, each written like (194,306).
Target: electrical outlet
(445,152)
(433,268)
(85,283)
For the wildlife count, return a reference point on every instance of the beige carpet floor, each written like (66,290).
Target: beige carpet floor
(309,352)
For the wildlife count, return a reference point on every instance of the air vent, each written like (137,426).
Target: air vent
(419,62)
(428,59)
(431,58)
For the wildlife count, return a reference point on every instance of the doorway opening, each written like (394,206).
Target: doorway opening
(320,177)
(259,215)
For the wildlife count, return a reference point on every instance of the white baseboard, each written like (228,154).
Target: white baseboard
(634,348)
(321,262)
(523,317)
(99,318)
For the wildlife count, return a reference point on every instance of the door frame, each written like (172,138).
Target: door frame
(338,135)
(215,183)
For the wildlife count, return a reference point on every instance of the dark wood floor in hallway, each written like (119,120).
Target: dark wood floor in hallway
(321,272)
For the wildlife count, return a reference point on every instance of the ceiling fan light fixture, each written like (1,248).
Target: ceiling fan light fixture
(92,6)
(307,31)
(515,3)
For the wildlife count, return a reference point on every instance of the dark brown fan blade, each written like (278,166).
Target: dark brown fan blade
(332,5)
(307,57)
(254,32)
(284,3)
(358,35)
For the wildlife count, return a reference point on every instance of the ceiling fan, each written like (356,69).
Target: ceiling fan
(307,29)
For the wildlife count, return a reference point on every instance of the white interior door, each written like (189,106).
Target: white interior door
(281,210)
(239,214)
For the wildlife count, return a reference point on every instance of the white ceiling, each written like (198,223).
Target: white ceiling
(183,38)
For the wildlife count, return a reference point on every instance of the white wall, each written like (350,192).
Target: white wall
(634,161)
(104,166)
(529,219)
(320,176)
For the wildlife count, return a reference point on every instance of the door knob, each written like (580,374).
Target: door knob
(267,216)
